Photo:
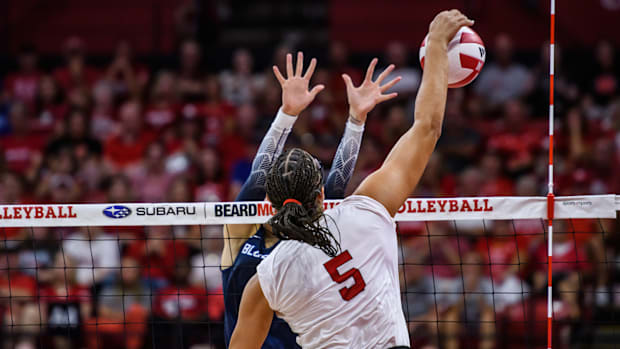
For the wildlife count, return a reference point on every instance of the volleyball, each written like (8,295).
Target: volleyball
(466,55)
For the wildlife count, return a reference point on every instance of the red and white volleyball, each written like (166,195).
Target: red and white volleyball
(466,55)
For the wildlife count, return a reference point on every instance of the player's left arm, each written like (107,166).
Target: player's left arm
(345,158)
(361,101)
(255,317)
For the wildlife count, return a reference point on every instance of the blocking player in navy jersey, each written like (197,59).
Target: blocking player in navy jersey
(245,245)
(334,277)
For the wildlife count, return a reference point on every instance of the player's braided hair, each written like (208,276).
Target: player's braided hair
(298,175)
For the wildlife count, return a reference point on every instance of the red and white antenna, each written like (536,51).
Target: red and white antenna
(550,196)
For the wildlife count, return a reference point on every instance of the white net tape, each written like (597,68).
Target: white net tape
(214,213)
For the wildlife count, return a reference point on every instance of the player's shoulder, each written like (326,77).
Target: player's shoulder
(286,250)
(358,205)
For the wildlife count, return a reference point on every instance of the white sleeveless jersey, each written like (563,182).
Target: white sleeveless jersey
(350,301)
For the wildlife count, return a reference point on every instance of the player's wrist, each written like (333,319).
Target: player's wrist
(287,109)
(437,40)
(284,120)
(357,118)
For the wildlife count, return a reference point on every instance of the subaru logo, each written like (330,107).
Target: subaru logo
(117,211)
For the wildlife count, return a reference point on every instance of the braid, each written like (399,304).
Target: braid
(297,175)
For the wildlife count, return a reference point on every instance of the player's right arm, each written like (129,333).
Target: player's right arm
(255,317)
(394,181)
(295,98)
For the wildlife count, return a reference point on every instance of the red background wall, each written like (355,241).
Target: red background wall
(369,24)
(101,23)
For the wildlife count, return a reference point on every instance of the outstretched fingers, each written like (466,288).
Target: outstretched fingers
(371,70)
(278,75)
(310,70)
(347,81)
(387,97)
(316,89)
(300,63)
(289,65)
(390,84)
(385,73)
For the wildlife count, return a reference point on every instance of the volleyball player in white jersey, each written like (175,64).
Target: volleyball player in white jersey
(335,277)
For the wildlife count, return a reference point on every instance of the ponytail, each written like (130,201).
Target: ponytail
(294,222)
(293,185)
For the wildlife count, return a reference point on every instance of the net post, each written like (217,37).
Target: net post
(550,196)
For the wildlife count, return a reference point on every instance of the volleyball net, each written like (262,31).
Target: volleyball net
(473,272)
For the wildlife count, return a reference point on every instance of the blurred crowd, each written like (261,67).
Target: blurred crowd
(125,132)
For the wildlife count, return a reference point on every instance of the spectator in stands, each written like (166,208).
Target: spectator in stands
(103,122)
(76,138)
(56,181)
(161,111)
(18,304)
(157,255)
(127,147)
(23,84)
(66,305)
(496,182)
(240,85)
(37,260)
(569,262)
(123,310)
(218,113)
(180,190)
(233,147)
(119,189)
(605,79)
(21,149)
(502,79)
(565,87)
(76,74)
(501,284)
(186,305)
(212,186)
(190,76)
(436,180)
(517,139)
(150,175)
(419,304)
(126,76)
(94,253)
(11,189)
(395,124)
(460,142)
(49,107)
(205,268)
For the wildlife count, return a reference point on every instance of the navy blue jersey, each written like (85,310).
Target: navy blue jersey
(234,280)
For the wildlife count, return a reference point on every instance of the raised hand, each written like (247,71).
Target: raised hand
(295,94)
(445,25)
(364,98)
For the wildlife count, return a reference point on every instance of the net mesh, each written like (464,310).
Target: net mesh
(483,284)
(465,283)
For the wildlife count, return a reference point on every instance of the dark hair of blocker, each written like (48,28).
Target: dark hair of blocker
(297,175)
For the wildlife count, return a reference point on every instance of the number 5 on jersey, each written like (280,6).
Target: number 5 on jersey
(332,265)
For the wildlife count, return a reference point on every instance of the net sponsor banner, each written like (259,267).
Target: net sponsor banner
(102,214)
(137,214)
(412,210)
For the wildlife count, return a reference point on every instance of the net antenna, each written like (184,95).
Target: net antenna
(550,196)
